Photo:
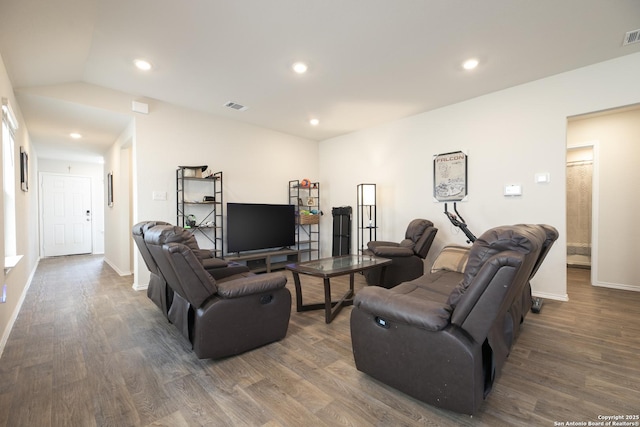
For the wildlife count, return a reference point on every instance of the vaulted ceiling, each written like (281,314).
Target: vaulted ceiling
(369,61)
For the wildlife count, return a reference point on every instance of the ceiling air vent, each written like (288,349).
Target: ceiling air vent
(631,37)
(235,106)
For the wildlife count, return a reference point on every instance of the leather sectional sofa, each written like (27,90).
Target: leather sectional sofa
(443,338)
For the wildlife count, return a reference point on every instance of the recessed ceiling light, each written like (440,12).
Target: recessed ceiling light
(75,135)
(314,122)
(470,64)
(143,65)
(300,67)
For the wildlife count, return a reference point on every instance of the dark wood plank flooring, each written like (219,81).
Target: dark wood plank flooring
(87,350)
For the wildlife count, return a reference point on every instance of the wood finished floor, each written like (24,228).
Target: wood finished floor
(87,350)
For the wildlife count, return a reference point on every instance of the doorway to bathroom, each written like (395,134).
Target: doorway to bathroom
(580,168)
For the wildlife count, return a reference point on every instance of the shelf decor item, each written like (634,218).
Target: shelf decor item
(309,219)
(193,171)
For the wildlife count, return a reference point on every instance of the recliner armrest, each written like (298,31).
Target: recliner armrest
(211,263)
(377,243)
(203,253)
(392,251)
(232,269)
(251,285)
(405,308)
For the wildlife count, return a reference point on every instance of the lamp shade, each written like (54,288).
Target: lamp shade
(367,194)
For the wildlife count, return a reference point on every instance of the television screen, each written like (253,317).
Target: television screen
(253,226)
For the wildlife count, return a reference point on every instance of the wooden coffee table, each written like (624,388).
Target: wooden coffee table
(332,267)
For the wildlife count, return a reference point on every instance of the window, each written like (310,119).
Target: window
(9,127)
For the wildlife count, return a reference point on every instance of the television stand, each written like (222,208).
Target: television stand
(266,261)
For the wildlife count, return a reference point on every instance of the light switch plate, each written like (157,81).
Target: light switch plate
(542,178)
(159,195)
(513,190)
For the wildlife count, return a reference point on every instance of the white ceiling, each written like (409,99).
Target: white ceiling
(370,61)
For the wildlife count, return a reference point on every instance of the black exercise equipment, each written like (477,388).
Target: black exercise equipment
(341,230)
(459,222)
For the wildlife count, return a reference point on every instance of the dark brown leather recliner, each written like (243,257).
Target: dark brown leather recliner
(521,308)
(219,317)
(408,255)
(217,267)
(157,290)
(443,338)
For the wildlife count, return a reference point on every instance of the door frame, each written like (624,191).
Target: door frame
(41,208)
(595,203)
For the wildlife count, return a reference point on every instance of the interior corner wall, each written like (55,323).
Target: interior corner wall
(117,247)
(257,163)
(618,136)
(509,136)
(27,237)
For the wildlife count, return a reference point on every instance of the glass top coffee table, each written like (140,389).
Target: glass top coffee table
(332,267)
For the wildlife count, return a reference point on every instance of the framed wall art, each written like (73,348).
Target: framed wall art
(24,170)
(110,189)
(450,177)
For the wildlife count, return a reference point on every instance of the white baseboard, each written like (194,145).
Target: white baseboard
(546,295)
(116,269)
(138,287)
(16,311)
(620,286)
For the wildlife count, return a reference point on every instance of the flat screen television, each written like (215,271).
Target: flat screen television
(254,226)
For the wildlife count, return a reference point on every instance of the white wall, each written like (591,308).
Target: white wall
(27,238)
(93,171)
(257,163)
(618,136)
(509,136)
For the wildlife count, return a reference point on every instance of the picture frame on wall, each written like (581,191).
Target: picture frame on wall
(110,189)
(450,177)
(24,170)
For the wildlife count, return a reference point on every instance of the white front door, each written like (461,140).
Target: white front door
(66,215)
